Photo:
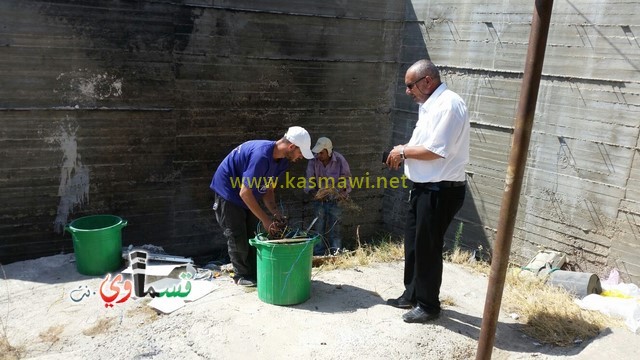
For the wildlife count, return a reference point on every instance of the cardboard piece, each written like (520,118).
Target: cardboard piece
(545,262)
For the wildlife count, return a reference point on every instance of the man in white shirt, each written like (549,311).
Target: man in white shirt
(434,160)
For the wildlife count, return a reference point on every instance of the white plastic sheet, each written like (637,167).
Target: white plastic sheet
(623,300)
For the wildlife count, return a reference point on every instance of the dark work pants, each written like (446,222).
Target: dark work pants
(328,226)
(430,213)
(238,224)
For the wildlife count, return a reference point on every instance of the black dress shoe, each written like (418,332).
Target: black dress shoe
(400,303)
(418,315)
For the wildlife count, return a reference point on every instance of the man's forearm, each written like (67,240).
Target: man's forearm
(420,153)
(269,200)
(247,196)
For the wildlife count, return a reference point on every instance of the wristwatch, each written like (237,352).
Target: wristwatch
(402,154)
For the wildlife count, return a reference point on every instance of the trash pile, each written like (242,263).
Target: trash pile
(617,299)
(611,297)
(548,264)
(171,281)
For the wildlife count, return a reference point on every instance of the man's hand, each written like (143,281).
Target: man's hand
(277,225)
(394,159)
(280,218)
(280,221)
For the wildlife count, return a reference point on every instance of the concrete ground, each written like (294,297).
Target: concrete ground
(345,318)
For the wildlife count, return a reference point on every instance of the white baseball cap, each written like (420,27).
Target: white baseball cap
(321,144)
(299,137)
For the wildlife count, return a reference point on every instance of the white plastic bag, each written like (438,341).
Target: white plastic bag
(627,308)
(622,290)
(613,279)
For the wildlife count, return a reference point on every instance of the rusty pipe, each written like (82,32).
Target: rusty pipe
(515,172)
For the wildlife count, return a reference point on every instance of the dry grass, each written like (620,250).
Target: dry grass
(8,352)
(101,327)
(52,334)
(148,313)
(447,301)
(458,256)
(466,258)
(549,313)
(384,251)
(463,352)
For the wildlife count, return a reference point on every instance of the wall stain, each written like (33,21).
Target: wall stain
(74,176)
(84,87)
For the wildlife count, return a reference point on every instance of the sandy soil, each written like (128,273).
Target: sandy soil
(345,318)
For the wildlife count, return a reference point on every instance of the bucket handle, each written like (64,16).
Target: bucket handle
(255,243)
(71,230)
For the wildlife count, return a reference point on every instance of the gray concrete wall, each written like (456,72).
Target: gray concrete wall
(581,191)
(127,108)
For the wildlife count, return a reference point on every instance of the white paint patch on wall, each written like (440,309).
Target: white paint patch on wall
(74,176)
(84,86)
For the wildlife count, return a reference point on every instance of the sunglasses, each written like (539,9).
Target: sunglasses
(412,84)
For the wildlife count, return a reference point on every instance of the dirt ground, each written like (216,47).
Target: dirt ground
(345,318)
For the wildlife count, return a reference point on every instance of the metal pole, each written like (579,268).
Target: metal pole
(515,172)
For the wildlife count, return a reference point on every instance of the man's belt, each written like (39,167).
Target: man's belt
(439,185)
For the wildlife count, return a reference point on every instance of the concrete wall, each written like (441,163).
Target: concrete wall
(127,108)
(581,192)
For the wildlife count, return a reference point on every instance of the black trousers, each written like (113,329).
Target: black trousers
(238,225)
(432,209)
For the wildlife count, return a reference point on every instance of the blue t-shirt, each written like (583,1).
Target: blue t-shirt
(251,164)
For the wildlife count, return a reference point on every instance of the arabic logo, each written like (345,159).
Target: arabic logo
(118,290)
(139,266)
(79,294)
(173,292)
(111,293)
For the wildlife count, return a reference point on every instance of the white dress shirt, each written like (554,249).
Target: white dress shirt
(442,128)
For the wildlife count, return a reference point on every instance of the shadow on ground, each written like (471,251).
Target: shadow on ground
(332,298)
(510,337)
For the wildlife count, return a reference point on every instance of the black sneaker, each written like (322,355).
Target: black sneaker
(246,282)
(400,303)
(419,315)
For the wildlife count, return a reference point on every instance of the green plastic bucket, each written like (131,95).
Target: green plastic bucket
(97,243)
(284,270)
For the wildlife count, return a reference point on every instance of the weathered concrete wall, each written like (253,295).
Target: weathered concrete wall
(126,108)
(581,191)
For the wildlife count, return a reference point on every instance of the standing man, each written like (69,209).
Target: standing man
(434,160)
(330,171)
(248,174)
